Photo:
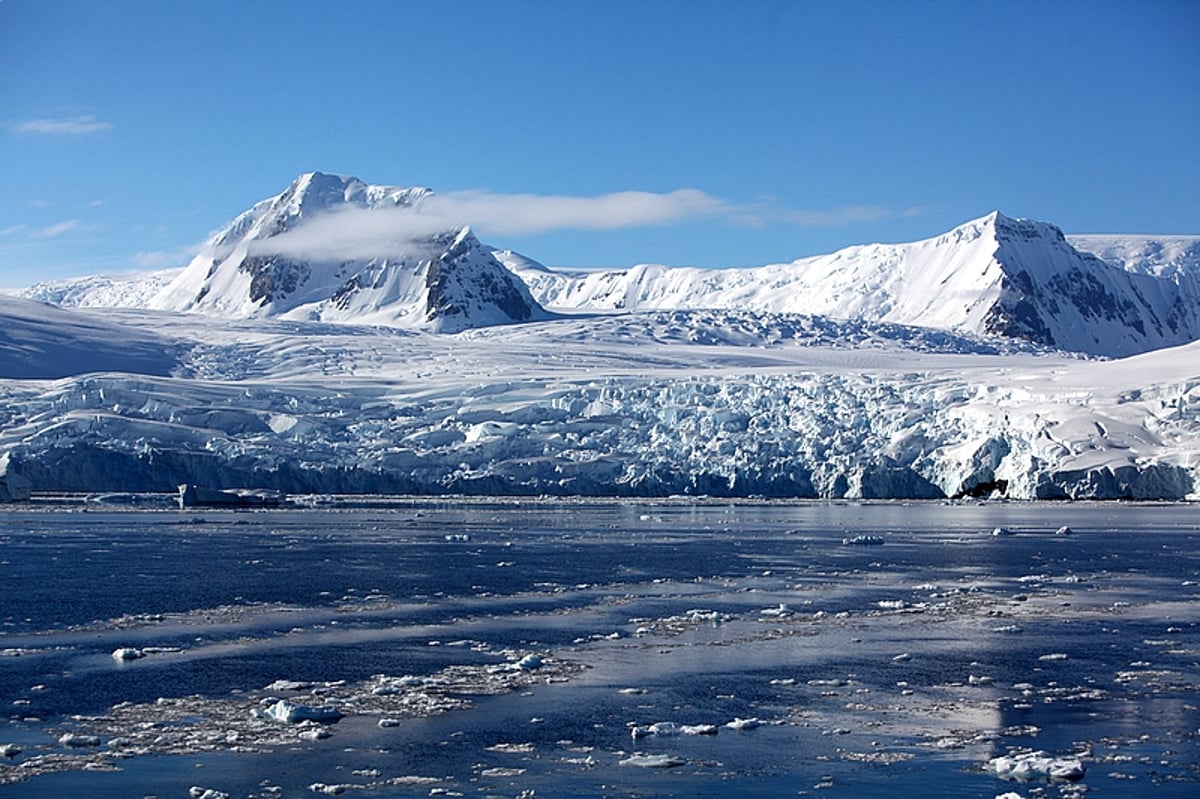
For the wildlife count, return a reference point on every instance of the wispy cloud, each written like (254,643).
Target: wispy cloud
(49,232)
(522,214)
(12,230)
(159,259)
(68,126)
(847,215)
(362,233)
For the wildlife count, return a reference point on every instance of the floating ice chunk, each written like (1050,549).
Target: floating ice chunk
(288,685)
(9,750)
(778,612)
(199,792)
(530,663)
(980,680)
(1064,530)
(653,761)
(79,740)
(127,653)
(1035,766)
(744,724)
(292,713)
(331,790)
(384,723)
(1053,656)
(1009,795)
(892,604)
(903,656)
(1001,531)
(699,729)
(314,734)
(662,728)
(863,541)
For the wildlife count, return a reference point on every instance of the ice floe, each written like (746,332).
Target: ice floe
(653,761)
(293,713)
(1036,766)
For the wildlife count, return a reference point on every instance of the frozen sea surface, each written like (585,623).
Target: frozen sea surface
(476,648)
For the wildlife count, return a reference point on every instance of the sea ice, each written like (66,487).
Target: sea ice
(75,739)
(863,541)
(653,761)
(1035,766)
(126,653)
(744,724)
(293,713)
(200,792)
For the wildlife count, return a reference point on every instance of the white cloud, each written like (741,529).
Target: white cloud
(516,214)
(49,232)
(846,215)
(358,233)
(12,230)
(70,126)
(158,259)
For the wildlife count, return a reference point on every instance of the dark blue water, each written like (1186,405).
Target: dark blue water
(864,682)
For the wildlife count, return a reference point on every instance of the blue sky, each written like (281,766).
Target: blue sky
(131,130)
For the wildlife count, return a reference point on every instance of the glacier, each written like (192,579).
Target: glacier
(1001,359)
(649,404)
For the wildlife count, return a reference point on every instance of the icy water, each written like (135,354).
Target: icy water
(559,649)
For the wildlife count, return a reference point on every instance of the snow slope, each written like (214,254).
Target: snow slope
(300,255)
(1176,258)
(652,403)
(994,275)
(132,290)
(39,341)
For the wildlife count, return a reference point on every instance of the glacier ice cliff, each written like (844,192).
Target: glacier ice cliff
(500,412)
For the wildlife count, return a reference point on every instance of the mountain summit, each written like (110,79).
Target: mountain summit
(994,275)
(332,248)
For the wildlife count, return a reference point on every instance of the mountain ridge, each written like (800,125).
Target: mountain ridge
(269,262)
(992,275)
(333,248)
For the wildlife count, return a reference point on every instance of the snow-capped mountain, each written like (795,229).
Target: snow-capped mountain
(311,254)
(348,344)
(993,276)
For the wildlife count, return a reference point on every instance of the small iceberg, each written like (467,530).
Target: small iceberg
(77,740)
(293,713)
(127,653)
(1036,766)
(863,541)
(653,761)
(744,724)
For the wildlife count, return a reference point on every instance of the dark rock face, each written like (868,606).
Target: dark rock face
(465,278)
(273,278)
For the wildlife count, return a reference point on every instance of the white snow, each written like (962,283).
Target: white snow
(757,400)
(291,256)
(995,275)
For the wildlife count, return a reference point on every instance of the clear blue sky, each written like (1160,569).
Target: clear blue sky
(131,130)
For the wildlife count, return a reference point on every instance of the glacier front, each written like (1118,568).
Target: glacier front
(715,403)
